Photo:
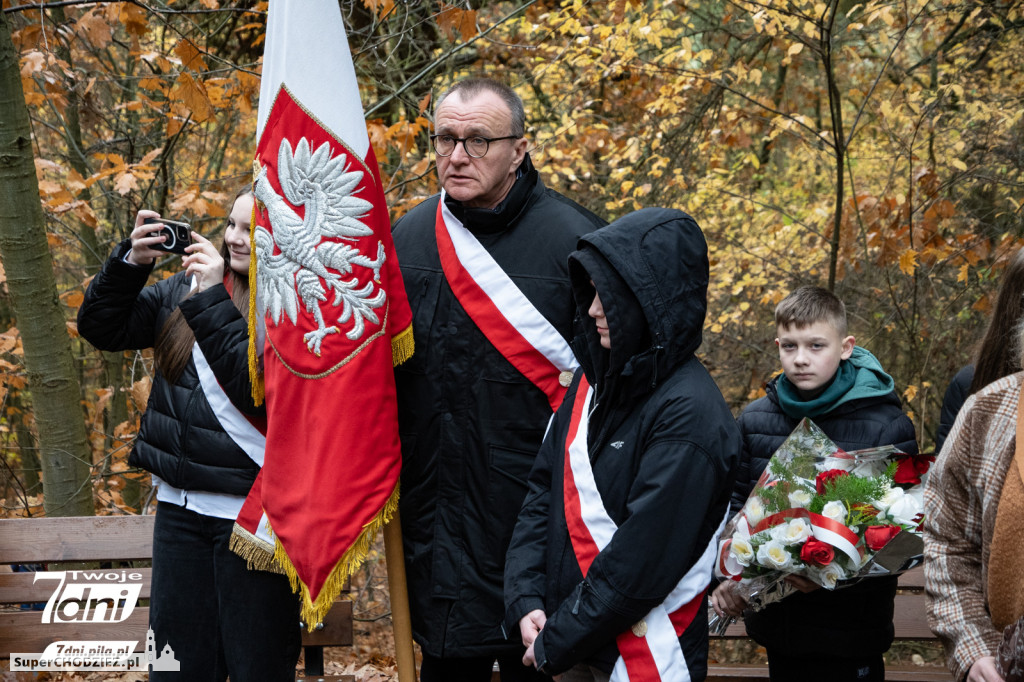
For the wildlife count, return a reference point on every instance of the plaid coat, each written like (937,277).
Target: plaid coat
(961,498)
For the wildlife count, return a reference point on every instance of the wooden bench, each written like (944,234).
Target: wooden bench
(909,620)
(121,542)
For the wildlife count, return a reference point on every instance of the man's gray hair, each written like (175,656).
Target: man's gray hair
(471,87)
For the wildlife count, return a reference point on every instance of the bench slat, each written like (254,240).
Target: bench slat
(21,588)
(913,579)
(24,631)
(739,672)
(75,538)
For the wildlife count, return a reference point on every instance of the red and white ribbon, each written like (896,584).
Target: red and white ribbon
(823,528)
(650,652)
(503,313)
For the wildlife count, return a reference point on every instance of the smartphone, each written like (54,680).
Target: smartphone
(178,234)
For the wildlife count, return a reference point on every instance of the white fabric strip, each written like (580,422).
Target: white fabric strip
(506,296)
(239,429)
(592,510)
(837,541)
(234,423)
(661,635)
(305,32)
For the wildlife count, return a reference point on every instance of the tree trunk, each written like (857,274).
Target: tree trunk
(56,396)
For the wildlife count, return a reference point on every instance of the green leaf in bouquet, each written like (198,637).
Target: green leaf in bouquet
(853,490)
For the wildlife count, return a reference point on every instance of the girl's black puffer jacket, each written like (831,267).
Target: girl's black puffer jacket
(180,438)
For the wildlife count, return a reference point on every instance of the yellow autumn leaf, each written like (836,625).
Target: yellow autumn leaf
(795,48)
(910,393)
(908,262)
(958,164)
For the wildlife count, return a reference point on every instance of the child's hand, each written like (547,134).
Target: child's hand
(727,601)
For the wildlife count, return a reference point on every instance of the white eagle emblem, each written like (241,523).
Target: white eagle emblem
(308,267)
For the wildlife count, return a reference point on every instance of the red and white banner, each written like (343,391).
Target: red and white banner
(650,649)
(501,311)
(328,287)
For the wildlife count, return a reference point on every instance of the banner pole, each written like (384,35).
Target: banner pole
(401,622)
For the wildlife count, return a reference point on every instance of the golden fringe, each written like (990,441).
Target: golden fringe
(402,346)
(313,612)
(255,377)
(258,555)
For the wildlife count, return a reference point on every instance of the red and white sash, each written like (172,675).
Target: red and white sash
(501,311)
(650,650)
(248,434)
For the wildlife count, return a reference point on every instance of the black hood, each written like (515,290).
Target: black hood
(650,268)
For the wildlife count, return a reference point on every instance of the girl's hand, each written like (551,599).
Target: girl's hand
(203,262)
(142,252)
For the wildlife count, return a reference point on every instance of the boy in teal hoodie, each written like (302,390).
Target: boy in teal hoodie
(843,389)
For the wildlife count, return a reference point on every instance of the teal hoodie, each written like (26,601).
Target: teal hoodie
(861,376)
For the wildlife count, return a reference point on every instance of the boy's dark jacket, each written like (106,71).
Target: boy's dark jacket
(180,438)
(663,445)
(853,621)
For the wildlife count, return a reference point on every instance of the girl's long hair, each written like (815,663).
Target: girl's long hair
(998,354)
(174,342)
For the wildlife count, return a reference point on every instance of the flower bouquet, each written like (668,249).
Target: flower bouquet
(831,516)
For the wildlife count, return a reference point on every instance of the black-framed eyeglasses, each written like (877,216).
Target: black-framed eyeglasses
(476,146)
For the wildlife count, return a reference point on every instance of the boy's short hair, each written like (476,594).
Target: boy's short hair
(809,305)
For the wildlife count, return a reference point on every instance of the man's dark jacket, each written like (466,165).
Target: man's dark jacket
(662,441)
(854,621)
(180,439)
(470,423)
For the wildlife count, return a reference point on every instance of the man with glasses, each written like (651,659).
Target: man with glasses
(485,268)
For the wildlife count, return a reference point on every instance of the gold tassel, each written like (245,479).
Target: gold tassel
(402,346)
(255,376)
(313,612)
(257,554)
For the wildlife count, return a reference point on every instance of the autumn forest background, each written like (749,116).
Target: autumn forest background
(874,147)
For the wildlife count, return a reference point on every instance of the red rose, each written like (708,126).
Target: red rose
(910,469)
(877,537)
(826,477)
(817,553)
